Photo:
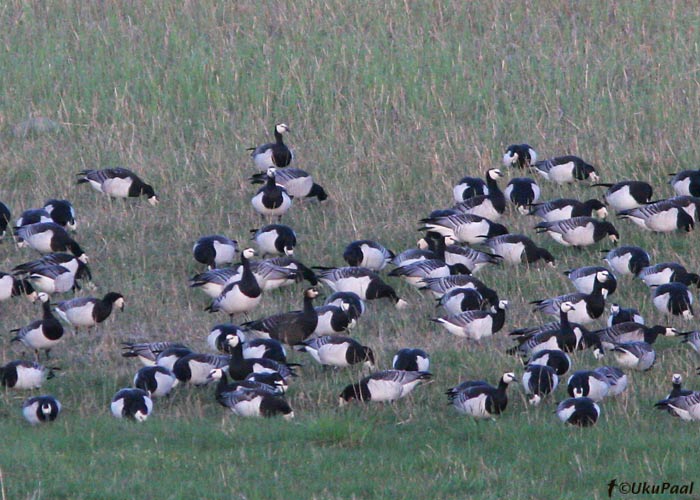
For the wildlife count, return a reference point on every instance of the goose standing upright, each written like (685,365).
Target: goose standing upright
(271,199)
(273,154)
(241,296)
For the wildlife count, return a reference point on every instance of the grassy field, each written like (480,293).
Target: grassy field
(389,107)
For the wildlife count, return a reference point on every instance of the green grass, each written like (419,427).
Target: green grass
(389,107)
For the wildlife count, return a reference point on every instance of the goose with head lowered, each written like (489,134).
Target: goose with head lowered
(42,334)
(581,412)
(158,381)
(579,231)
(626,195)
(41,409)
(334,319)
(148,352)
(462,299)
(297,182)
(554,358)
(291,327)
(359,280)
(118,182)
(673,298)
(241,367)
(566,169)
(272,199)
(88,311)
(589,384)
(475,325)
(568,208)
(481,400)
(519,155)
(661,217)
(583,279)
(620,314)
(367,253)
(134,404)
(632,332)
(24,375)
(522,192)
(463,228)
(563,335)
(48,237)
(469,187)
(387,385)
(686,183)
(587,307)
(215,250)
(668,272)
(539,381)
(194,368)
(13,286)
(518,249)
(256,403)
(411,359)
(627,260)
(223,385)
(635,355)
(273,154)
(275,239)
(240,296)
(491,205)
(337,350)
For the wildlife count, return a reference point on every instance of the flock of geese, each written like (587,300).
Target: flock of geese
(249,365)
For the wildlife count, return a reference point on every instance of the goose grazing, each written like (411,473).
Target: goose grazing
(157,381)
(626,195)
(581,412)
(587,307)
(481,400)
(415,272)
(273,154)
(134,404)
(118,183)
(635,355)
(464,228)
(568,208)
(469,187)
(264,348)
(217,340)
(297,182)
(623,315)
(566,169)
(490,206)
(41,409)
(518,249)
(411,360)
(355,305)
(62,213)
(465,258)
(43,334)
(275,239)
(271,199)
(338,351)
(48,237)
(11,286)
(616,379)
(552,336)
(368,254)
(583,279)
(459,300)
(425,250)
(579,231)
(661,217)
(441,286)
(240,367)
(692,339)
(387,385)
(5,217)
(589,384)
(88,311)
(33,216)
(333,319)
(241,296)
(223,386)
(627,260)
(291,327)
(520,156)
(522,192)
(686,183)
(24,375)
(57,278)
(668,272)
(539,381)
(361,281)
(168,357)
(475,325)
(215,250)
(673,298)
(256,403)
(554,358)
(685,407)
(632,332)
(194,368)
(148,352)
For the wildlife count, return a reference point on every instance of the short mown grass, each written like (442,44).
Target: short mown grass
(389,106)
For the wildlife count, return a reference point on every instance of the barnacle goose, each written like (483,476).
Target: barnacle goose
(271,199)
(517,249)
(148,352)
(481,400)
(43,334)
(685,407)
(668,272)
(587,383)
(469,187)
(276,385)
(291,327)
(462,299)
(581,412)
(215,250)
(632,332)
(475,324)
(337,350)
(356,306)
(673,298)
(568,208)
(623,315)
(334,319)
(625,195)
(565,169)
(47,237)
(464,228)
(23,375)
(635,355)
(134,404)
(539,381)
(118,183)
(415,272)
(367,253)
(275,239)
(578,231)
(57,278)
(470,259)
(677,387)
(62,213)
(587,307)
(491,205)
(361,281)
(256,403)
(11,286)
(297,182)
(686,183)
(691,338)
(616,379)
(194,368)
(240,367)
(156,380)
(440,286)
(519,155)
(662,217)
(522,192)
(387,385)
(41,409)
(554,358)
(241,296)
(583,279)
(273,154)
(627,260)
(88,311)
(411,359)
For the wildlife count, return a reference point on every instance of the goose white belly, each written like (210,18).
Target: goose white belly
(580,236)
(79,316)
(333,354)
(224,252)
(29,378)
(266,242)
(117,187)
(511,252)
(248,408)
(384,390)
(41,242)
